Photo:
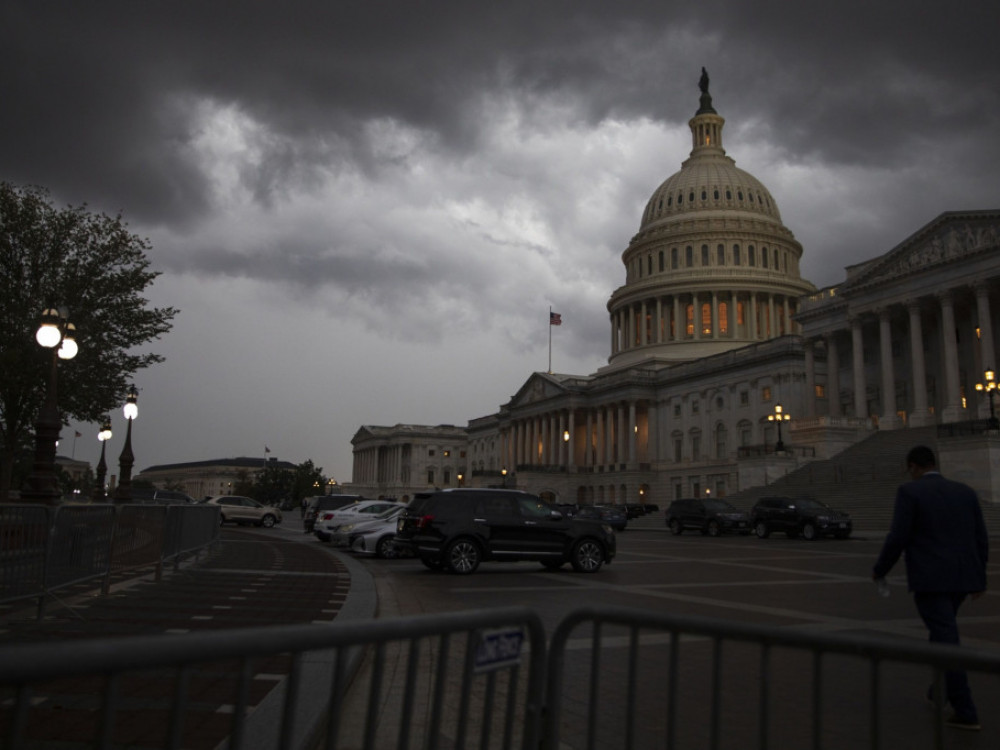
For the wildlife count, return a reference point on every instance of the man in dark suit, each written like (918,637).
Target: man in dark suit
(939,525)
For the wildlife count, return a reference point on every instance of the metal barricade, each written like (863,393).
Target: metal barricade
(138,540)
(24,537)
(189,528)
(79,544)
(432,681)
(660,681)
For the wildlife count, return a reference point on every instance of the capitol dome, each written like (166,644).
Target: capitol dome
(712,267)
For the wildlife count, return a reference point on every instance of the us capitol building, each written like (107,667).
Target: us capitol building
(727,369)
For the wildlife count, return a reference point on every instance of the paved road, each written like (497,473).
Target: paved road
(822,586)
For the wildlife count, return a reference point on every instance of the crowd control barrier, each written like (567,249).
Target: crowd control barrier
(45,550)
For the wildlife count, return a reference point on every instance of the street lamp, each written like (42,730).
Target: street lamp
(989,386)
(779,416)
(503,477)
(102,467)
(125,461)
(56,333)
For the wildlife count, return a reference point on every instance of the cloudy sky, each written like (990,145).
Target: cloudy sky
(364,210)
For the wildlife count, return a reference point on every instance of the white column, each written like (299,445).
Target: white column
(889,420)
(631,432)
(715,315)
(921,414)
(752,312)
(643,335)
(810,399)
(588,443)
(952,411)
(695,316)
(571,444)
(858,365)
(599,436)
(772,329)
(659,320)
(832,375)
(985,327)
(677,323)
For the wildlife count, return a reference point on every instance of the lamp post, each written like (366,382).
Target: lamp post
(990,386)
(102,467)
(55,333)
(779,416)
(503,477)
(125,461)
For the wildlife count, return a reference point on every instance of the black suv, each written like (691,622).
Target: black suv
(810,518)
(708,515)
(456,529)
(318,503)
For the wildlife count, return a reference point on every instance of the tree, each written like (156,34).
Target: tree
(92,265)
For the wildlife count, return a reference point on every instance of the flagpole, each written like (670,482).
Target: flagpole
(550,339)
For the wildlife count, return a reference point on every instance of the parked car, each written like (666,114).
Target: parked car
(710,516)
(806,516)
(375,536)
(330,520)
(634,510)
(318,503)
(652,508)
(144,496)
(243,510)
(612,515)
(456,529)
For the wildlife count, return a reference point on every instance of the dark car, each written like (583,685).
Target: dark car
(710,516)
(634,510)
(456,529)
(318,503)
(144,496)
(612,515)
(804,515)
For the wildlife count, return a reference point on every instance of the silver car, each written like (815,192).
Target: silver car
(371,537)
(241,510)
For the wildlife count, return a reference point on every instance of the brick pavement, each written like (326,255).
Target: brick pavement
(252,579)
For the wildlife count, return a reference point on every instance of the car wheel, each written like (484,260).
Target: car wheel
(267,521)
(761,530)
(809,531)
(675,527)
(386,548)
(463,557)
(222,520)
(588,556)
(431,562)
(713,528)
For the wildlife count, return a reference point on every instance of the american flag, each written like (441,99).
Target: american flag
(555,319)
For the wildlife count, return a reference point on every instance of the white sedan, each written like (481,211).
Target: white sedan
(372,537)
(330,520)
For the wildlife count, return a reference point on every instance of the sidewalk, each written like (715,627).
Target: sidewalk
(254,578)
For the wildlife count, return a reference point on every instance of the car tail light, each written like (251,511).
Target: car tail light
(423,521)
(327,516)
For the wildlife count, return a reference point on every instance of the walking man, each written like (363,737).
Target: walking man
(939,525)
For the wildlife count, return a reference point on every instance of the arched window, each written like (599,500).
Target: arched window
(704,255)
(673,257)
(751,256)
(745,431)
(763,256)
(649,264)
(736,255)
(689,256)
(661,261)
(721,251)
(695,436)
(715,194)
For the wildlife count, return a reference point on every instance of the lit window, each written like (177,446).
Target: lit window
(765,393)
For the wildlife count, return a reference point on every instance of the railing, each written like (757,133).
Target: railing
(459,682)
(635,680)
(44,550)
(722,683)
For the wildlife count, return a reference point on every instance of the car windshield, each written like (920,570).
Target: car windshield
(718,505)
(808,502)
(391,512)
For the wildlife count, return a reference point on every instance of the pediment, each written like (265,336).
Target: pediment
(949,238)
(538,387)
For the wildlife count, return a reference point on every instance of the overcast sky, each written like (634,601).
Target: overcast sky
(364,210)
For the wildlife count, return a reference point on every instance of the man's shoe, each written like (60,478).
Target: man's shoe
(960,722)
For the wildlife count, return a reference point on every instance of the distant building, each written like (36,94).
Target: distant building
(714,335)
(207,478)
(401,460)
